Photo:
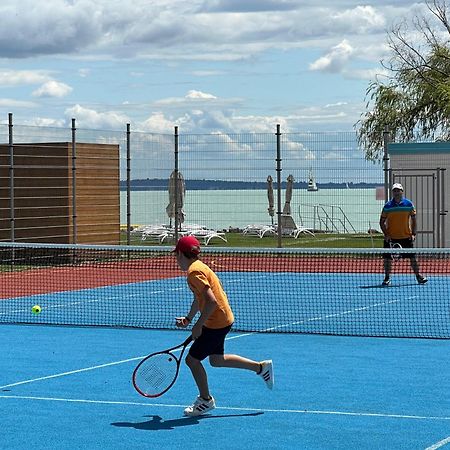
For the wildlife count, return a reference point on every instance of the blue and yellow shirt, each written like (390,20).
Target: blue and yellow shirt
(398,218)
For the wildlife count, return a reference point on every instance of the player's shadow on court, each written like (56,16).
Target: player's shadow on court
(158,423)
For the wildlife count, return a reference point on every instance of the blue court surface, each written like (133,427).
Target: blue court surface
(70,388)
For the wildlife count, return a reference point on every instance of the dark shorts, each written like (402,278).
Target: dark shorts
(405,243)
(210,342)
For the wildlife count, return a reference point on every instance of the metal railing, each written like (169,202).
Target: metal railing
(326,218)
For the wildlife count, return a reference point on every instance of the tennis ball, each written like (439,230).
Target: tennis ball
(36,309)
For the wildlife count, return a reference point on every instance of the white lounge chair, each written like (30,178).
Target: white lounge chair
(156,233)
(259,230)
(289,227)
(165,233)
(205,235)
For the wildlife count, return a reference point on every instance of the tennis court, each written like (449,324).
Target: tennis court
(70,386)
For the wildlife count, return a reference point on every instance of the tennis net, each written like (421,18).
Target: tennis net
(325,291)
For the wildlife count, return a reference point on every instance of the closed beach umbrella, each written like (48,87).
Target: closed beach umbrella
(289,187)
(177,189)
(271,208)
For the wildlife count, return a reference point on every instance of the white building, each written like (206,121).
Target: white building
(424,171)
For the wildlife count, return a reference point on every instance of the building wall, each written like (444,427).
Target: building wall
(43,201)
(415,163)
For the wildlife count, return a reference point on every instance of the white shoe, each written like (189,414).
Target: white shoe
(267,373)
(200,406)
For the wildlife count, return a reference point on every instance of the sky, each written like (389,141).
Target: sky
(202,65)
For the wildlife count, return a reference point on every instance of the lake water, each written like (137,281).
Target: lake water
(326,209)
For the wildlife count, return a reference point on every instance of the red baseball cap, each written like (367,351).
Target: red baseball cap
(188,244)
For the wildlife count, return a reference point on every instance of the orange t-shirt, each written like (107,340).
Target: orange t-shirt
(201,277)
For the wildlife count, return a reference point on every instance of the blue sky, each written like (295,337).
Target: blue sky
(228,65)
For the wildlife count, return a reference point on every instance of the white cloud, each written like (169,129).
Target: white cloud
(157,123)
(199,95)
(124,59)
(89,118)
(335,60)
(335,105)
(23,77)
(50,27)
(191,97)
(52,89)
(176,29)
(361,20)
(340,115)
(46,122)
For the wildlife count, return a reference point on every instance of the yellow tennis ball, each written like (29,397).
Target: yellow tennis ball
(36,309)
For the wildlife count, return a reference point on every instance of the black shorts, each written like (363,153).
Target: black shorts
(210,342)
(405,243)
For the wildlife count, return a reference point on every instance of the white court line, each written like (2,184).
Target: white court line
(233,408)
(86,369)
(439,444)
(342,313)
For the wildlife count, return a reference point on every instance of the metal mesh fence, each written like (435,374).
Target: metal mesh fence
(334,188)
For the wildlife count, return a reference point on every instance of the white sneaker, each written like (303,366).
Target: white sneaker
(267,373)
(200,406)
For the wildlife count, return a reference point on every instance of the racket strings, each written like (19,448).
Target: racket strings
(156,373)
(397,248)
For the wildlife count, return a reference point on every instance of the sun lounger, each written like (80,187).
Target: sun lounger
(259,230)
(289,227)
(205,235)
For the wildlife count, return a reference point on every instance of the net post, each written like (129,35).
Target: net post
(443,212)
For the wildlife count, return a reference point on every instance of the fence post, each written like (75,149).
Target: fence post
(74,183)
(278,169)
(128,184)
(11,179)
(442,211)
(386,140)
(177,218)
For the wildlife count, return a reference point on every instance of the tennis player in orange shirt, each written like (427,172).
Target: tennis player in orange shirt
(211,327)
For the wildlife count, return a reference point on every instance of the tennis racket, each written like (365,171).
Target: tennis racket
(397,248)
(157,372)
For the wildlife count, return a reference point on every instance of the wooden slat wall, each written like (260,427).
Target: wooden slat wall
(43,193)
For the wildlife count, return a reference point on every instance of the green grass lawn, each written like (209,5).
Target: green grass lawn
(326,240)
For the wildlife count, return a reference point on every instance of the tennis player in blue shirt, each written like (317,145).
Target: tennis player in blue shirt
(398,224)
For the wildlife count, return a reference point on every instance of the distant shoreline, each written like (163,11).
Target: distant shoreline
(156,184)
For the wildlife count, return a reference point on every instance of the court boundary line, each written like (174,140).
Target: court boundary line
(100,366)
(439,444)
(236,408)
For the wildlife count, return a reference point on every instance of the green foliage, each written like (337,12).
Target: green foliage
(414,102)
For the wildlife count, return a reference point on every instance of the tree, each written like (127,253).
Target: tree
(414,102)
